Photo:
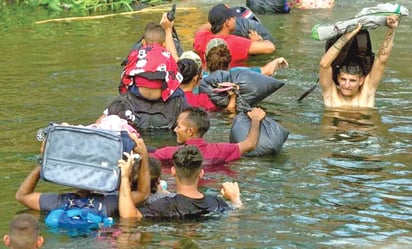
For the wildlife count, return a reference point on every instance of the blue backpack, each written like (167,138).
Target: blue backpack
(79,215)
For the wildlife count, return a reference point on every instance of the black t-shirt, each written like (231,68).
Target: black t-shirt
(180,206)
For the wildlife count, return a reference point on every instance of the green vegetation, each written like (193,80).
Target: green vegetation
(90,6)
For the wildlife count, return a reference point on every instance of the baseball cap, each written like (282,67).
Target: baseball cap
(192,56)
(214,43)
(219,14)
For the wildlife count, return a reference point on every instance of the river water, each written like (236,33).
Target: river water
(342,180)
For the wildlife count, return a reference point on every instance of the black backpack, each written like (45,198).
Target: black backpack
(358,49)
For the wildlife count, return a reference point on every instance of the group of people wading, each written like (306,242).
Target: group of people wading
(159,90)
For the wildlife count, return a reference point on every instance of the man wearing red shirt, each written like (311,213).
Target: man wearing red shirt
(222,22)
(193,123)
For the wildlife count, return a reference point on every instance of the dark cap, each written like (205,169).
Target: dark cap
(219,14)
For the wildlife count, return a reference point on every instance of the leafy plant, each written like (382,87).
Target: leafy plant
(89,6)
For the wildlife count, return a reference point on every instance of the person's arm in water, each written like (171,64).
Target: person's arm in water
(25,194)
(231,192)
(271,67)
(249,143)
(325,65)
(169,42)
(260,46)
(127,208)
(376,74)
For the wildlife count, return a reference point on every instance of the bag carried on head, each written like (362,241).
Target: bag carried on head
(247,21)
(84,158)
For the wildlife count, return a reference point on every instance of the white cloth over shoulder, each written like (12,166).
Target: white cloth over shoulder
(370,18)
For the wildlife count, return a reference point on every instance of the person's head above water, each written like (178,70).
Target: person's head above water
(154,33)
(218,16)
(218,55)
(189,70)
(24,233)
(191,123)
(350,78)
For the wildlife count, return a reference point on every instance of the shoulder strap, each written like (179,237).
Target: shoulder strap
(93,202)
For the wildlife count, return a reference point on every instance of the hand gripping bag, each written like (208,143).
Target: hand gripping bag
(271,138)
(81,157)
(369,17)
(244,25)
(253,87)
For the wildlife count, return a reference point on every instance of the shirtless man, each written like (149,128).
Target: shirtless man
(353,88)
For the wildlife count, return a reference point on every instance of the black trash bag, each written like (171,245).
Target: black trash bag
(268,6)
(245,12)
(271,138)
(243,25)
(253,87)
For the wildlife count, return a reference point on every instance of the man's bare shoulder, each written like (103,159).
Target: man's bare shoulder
(330,94)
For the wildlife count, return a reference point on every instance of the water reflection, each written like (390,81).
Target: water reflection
(350,125)
(362,199)
(342,180)
(126,235)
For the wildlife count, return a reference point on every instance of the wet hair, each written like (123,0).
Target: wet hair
(154,33)
(216,28)
(155,168)
(188,162)
(24,231)
(189,69)
(218,58)
(353,68)
(199,118)
(121,108)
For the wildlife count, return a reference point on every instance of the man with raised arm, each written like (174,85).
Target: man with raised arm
(353,88)
(46,202)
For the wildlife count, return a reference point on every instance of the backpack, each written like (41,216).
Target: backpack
(79,215)
(359,48)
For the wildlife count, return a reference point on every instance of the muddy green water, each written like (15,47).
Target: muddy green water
(342,180)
